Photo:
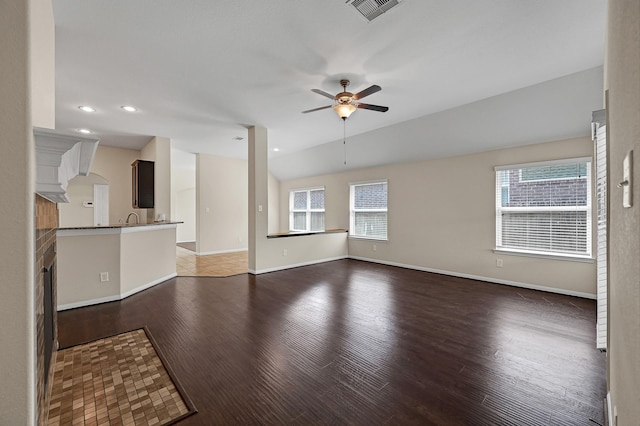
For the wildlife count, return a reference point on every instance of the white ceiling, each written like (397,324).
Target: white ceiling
(202,71)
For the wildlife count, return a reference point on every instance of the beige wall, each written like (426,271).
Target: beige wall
(114,164)
(80,189)
(26,99)
(81,259)
(271,254)
(273,223)
(146,257)
(183,194)
(158,150)
(183,200)
(134,257)
(42,57)
(442,217)
(221,204)
(623,128)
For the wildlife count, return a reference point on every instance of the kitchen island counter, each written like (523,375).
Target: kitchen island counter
(115,226)
(105,263)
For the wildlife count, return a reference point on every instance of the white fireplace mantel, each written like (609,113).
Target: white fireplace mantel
(61,156)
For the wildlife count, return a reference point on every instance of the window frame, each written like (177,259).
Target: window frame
(353,211)
(308,210)
(588,208)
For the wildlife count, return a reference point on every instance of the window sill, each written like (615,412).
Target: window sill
(566,257)
(303,233)
(359,237)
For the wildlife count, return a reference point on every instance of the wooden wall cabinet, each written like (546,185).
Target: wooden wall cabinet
(142,173)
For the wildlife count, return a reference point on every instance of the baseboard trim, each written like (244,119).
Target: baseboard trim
(481,278)
(206,253)
(295,265)
(148,285)
(115,297)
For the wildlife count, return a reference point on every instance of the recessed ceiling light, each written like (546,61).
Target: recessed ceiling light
(87,108)
(129,108)
(276,149)
(85,131)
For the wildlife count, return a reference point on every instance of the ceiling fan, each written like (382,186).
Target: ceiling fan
(347,102)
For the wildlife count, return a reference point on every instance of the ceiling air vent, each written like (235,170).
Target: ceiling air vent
(371,9)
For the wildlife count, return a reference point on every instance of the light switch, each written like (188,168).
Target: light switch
(627,180)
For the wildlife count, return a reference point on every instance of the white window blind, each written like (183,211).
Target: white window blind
(306,210)
(600,138)
(545,208)
(368,203)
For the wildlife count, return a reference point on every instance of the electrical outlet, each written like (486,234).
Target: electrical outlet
(104,277)
(284,252)
(499,263)
(239,239)
(374,248)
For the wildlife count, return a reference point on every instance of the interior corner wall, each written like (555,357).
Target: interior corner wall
(623,127)
(221,204)
(442,217)
(114,164)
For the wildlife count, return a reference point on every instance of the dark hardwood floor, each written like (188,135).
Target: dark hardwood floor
(351,342)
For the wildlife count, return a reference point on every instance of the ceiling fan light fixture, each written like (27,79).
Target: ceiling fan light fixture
(344,110)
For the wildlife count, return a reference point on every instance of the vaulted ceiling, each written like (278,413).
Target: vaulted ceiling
(201,71)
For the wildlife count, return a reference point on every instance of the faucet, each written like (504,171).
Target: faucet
(136,215)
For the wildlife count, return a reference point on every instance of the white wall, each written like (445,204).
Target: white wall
(442,216)
(80,189)
(114,164)
(221,204)
(623,127)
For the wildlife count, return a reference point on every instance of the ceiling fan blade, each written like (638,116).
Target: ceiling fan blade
(323,93)
(366,92)
(317,109)
(374,107)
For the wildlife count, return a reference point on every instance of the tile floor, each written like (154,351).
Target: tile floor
(114,381)
(214,265)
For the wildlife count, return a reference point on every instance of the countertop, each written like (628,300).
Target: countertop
(121,225)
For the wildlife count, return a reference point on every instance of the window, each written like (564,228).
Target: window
(368,203)
(306,210)
(545,208)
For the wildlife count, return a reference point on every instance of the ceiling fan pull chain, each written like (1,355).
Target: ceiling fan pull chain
(344,140)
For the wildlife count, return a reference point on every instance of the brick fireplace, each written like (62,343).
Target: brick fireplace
(46,219)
